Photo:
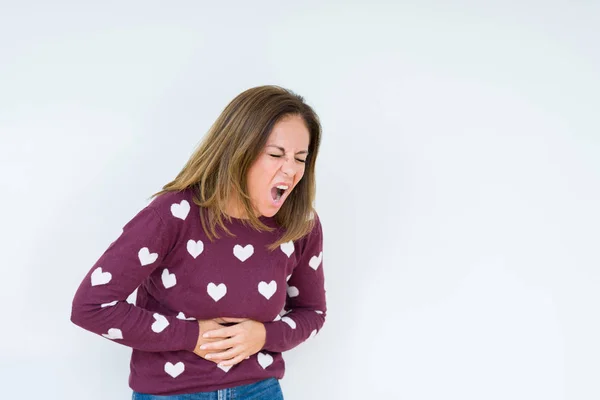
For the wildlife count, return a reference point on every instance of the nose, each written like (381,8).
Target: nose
(288,167)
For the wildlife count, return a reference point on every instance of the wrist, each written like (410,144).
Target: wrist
(263,333)
(199,337)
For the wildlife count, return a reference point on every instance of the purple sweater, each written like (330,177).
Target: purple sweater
(182,276)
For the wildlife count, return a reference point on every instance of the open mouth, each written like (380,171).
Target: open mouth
(278,192)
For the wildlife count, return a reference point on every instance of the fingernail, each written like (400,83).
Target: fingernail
(203,347)
(208,356)
(206,335)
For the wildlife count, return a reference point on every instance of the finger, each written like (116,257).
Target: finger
(218,345)
(232,319)
(221,332)
(224,355)
(225,320)
(236,360)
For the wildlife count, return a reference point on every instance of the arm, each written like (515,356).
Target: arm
(100,306)
(306,298)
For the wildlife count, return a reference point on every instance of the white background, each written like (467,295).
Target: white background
(458,182)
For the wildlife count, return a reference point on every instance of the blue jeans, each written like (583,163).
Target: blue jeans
(267,389)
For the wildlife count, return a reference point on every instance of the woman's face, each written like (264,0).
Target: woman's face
(280,165)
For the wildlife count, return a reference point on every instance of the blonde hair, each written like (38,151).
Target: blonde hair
(217,169)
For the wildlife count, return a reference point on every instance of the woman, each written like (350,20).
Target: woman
(227,259)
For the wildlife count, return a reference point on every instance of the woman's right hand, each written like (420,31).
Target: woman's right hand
(205,326)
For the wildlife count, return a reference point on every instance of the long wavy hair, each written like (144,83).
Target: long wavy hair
(218,168)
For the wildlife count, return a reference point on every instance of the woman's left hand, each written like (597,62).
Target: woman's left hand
(240,341)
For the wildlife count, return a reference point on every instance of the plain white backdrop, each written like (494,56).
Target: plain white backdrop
(458,182)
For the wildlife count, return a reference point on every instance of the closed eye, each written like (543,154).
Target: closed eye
(279,156)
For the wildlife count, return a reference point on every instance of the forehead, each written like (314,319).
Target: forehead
(290,132)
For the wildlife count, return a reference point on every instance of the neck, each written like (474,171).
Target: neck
(235,210)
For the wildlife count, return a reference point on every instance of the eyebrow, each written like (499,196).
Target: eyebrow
(282,149)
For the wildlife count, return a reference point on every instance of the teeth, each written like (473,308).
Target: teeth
(282,187)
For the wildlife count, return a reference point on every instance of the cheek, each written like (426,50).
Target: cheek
(299,175)
(252,178)
(259,176)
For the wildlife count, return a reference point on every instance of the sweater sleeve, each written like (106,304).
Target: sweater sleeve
(306,299)
(100,305)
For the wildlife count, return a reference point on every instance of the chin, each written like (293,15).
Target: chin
(269,211)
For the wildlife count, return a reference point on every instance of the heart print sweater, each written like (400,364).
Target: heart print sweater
(182,276)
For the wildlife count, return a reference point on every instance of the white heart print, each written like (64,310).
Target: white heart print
(113,334)
(100,278)
(315,261)
(168,280)
(174,370)
(160,324)
(293,291)
(180,210)
(112,303)
(216,291)
(267,290)
(289,321)
(287,248)
(243,253)
(195,248)
(181,315)
(264,360)
(146,258)
(312,334)
(225,368)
